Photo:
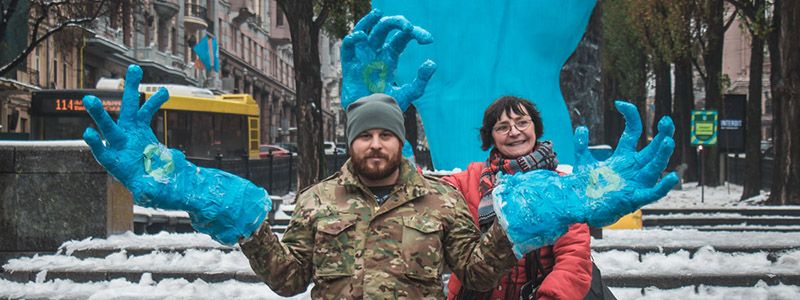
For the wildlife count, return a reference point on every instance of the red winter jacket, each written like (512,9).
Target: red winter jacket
(569,277)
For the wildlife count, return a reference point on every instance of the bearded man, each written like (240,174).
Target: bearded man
(378,229)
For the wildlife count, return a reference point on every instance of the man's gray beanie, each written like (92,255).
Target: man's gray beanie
(374,111)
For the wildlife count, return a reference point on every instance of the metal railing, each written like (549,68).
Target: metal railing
(197,11)
(277,174)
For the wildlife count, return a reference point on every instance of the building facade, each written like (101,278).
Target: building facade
(255,57)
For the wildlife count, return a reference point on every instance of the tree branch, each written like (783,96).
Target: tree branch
(730,21)
(323,14)
(741,5)
(35,42)
(697,67)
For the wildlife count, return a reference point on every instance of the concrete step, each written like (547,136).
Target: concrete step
(132,276)
(730,228)
(747,211)
(612,280)
(710,220)
(643,249)
(101,253)
(677,281)
(772,249)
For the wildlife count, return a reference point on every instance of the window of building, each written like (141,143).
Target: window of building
(279,17)
(64,74)
(55,73)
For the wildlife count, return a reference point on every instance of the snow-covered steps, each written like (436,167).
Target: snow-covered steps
(144,288)
(757,291)
(132,276)
(781,219)
(631,259)
(704,267)
(742,210)
(209,265)
(669,259)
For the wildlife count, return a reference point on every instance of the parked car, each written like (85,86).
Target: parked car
(342,147)
(329,148)
(289,146)
(265,151)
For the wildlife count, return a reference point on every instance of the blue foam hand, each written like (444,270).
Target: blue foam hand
(222,205)
(515,47)
(369,56)
(536,208)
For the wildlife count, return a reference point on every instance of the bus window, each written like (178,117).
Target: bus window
(202,135)
(234,135)
(66,127)
(157,124)
(178,131)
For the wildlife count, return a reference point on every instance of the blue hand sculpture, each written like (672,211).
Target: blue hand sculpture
(485,50)
(369,59)
(222,205)
(537,207)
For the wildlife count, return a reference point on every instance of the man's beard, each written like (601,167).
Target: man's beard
(364,169)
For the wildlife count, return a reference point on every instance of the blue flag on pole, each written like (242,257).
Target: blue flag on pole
(207,53)
(216,54)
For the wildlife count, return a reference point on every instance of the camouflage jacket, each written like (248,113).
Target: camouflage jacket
(352,248)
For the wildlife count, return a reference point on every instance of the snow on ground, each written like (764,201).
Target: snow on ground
(689,196)
(760,291)
(147,211)
(192,260)
(441,173)
(146,288)
(689,238)
(128,240)
(705,261)
(64,143)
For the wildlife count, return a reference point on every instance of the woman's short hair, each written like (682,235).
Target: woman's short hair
(508,104)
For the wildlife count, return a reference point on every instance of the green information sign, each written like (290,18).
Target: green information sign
(704,127)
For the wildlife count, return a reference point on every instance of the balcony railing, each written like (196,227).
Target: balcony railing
(152,54)
(196,18)
(197,11)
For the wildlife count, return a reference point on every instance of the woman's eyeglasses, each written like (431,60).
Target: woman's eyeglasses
(505,128)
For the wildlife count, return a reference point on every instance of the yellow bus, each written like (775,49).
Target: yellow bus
(193,120)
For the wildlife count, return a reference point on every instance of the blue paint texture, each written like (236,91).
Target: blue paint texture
(485,50)
(536,208)
(369,56)
(222,205)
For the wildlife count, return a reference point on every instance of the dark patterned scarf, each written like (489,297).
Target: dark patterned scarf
(542,157)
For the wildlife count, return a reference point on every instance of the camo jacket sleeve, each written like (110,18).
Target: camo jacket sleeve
(479,260)
(285,266)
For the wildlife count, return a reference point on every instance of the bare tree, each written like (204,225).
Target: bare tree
(754,17)
(48,17)
(306,19)
(786,188)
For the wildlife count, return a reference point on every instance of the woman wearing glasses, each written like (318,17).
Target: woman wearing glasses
(511,127)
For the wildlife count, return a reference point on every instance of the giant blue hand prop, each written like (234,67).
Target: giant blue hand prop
(222,205)
(537,207)
(369,59)
(483,51)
